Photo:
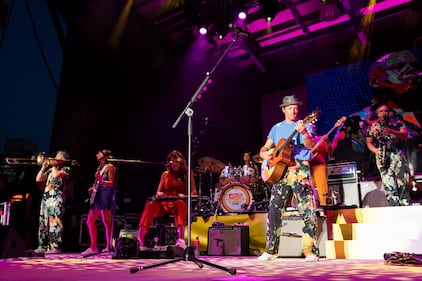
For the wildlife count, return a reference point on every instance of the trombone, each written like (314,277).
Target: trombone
(39,159)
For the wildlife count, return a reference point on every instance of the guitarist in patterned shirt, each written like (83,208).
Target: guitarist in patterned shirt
(297,136)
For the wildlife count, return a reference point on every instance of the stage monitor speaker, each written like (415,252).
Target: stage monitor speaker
(291,236)
(228,241)
(11,243)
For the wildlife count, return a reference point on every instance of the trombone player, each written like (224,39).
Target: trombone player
(54,172)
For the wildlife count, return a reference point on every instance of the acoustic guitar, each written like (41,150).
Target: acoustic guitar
(273,169)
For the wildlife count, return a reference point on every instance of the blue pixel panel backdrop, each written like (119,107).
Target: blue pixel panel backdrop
(339,92)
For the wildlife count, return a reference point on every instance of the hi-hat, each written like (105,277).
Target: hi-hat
(257,159)
(209,164)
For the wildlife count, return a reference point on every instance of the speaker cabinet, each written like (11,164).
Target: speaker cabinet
(371,193)
(119,223)
(291,236)
(5,213)
(228,241)
(11,242)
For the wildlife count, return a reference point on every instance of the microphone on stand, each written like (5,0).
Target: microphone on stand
(239,30)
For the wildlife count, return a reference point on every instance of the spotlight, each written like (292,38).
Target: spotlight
(241,15)
(330,10)
(203,30)
(269,9)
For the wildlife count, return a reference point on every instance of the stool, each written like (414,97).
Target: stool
(165,230)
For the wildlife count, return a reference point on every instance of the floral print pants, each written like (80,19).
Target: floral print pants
(50,220)
(297,181)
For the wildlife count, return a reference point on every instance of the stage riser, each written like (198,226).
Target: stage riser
(365,231)
(377,215)
(361,249)
(368,233)
(359,233)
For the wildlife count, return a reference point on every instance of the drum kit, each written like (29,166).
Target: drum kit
(239,189)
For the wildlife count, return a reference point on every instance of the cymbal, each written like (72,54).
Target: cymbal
(257,159)
(209,164)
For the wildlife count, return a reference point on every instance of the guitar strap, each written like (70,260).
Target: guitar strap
(297,139)
(102,170)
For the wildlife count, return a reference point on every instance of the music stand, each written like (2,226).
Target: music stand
(189,253)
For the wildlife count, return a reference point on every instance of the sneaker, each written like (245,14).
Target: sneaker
(54,251)
(105,250)
(266,257)
(181,243)
(89,251)
(143,248)
(39,250)
(311,258)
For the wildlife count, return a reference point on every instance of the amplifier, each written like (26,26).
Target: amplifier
(417,177)
(5,213)
(291,236)
(119,223)
(228,241)
(342,172)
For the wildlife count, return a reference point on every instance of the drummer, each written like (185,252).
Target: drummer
(247,173)
(250,171)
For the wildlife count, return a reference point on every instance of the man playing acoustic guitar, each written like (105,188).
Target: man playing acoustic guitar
(286,155)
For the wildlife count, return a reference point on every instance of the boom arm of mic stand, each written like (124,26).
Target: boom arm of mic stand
(192,100)
(202,85)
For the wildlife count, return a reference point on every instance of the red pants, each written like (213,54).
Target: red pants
(156,209)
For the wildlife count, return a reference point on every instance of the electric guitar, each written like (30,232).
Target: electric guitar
(93,189)
(273,169)
(318,143)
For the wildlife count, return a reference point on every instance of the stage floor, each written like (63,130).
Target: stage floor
(72,266)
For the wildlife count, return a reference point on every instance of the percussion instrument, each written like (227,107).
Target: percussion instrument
(257,159)
(228,175)
(209,164)
(248,175)
(235,197)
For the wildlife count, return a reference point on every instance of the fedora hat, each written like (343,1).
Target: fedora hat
(290,100)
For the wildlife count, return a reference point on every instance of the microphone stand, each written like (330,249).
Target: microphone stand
(189,253)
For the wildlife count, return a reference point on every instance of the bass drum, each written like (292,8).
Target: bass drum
(235,198)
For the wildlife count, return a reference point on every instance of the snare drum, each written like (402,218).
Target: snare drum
(235,197)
